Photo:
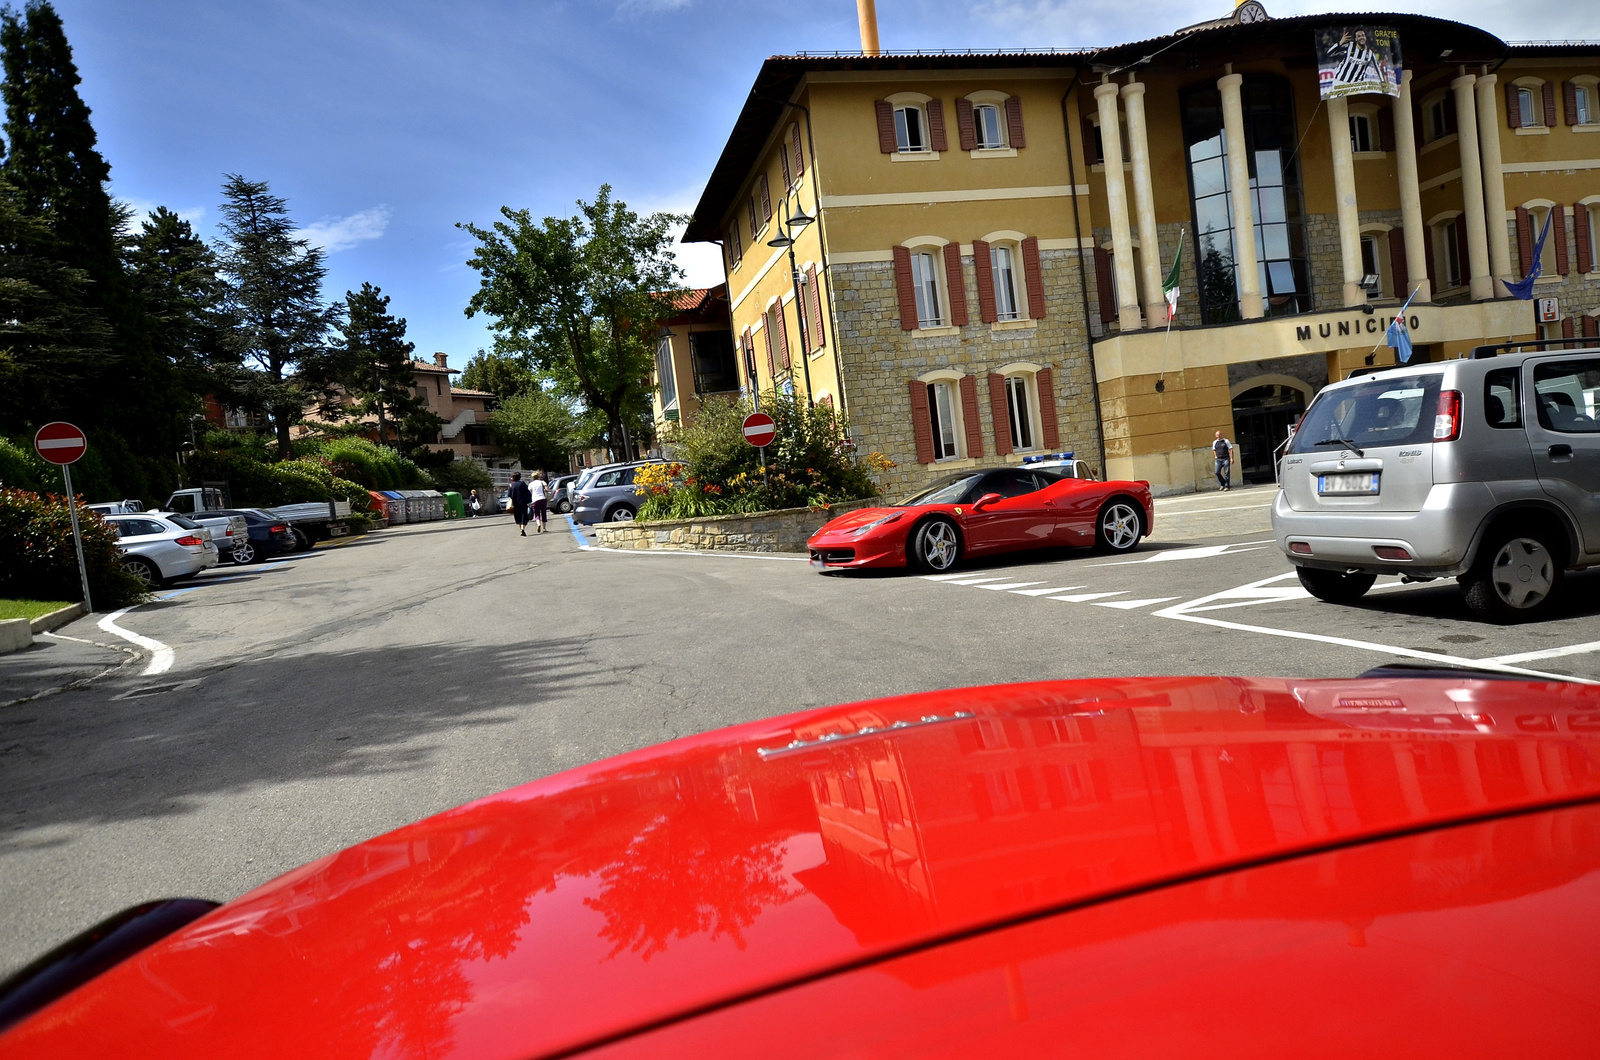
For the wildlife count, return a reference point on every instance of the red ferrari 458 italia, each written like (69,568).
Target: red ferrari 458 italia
(1390,866)
(982,512)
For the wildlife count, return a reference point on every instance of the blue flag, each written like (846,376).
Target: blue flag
(1523,289)
(1399,338)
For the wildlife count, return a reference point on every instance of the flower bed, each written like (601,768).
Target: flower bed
(784,530)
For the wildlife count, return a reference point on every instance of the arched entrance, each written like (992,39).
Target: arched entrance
(1262,416)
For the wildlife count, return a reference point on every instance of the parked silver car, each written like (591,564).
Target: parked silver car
(1484,469)
(609,495)
(157,548)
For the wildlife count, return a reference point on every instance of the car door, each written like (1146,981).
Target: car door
(1019,520)
(1563,425)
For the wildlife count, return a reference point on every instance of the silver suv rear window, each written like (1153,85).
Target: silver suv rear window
(1374,414)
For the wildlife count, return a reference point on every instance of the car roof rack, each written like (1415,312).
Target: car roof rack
(1494,350)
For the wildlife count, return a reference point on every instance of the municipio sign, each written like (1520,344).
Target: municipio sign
(60,443)
(759,429)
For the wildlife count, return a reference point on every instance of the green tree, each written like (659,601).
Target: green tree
(538,426)
(582,299)
(500,375)
(274,290)
(370,361)
(175,273)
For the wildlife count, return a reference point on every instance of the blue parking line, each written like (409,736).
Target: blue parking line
(177,592)
(573,525)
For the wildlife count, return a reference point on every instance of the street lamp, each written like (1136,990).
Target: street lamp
(784,240)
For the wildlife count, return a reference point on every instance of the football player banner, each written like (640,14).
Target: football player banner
(1355,60)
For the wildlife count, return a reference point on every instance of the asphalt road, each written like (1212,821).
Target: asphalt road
(315,702)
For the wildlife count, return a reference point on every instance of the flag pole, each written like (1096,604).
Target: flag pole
(1172,311)
(1400,316)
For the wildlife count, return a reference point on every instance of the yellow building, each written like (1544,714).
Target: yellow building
(979,264)
(695,357)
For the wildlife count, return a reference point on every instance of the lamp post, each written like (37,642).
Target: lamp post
(784,240)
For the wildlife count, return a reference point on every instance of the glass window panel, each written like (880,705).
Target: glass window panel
(1210,176)
(1005,282)
(1211,215)
(665,377)
(1525,108)
(941,408)
(908,128)
(1272,207)
(989,134)
(1269,168)
(925,280)
(1280,277)
(1208,148)
(1275,241)
(1021,412)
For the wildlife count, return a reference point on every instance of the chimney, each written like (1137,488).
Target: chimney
(867,14)
(441,360)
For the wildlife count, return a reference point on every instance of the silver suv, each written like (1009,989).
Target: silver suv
(1485,469)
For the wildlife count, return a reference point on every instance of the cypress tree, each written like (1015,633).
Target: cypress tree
(175,274)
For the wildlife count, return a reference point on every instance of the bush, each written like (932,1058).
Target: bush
(464,476)
(22,469)
(375,467)
(41,563)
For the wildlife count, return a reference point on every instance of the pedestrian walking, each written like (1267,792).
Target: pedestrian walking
(475,505)
(521,498)
(1222,449)
(541,501)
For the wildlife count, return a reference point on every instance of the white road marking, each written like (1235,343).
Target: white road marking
(1083,598)
(1547,653)
(1203,552)
(945,577)
(1196,511)
(687,552)
(974,581)
(1046,592)
(1007,586)
(160,655)
(1129,605)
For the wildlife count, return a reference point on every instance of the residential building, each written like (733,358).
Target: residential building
(695,357)
(465,412)
(981,259)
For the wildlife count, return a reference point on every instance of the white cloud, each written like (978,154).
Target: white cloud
(143,208)
(334,234)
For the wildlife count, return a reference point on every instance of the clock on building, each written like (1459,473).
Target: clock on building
(1249,11)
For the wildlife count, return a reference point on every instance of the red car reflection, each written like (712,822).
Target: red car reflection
(1162,866)
(978,513)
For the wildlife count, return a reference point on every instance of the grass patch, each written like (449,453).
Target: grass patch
(30,609)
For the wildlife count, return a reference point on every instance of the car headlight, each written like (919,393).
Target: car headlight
(866,527)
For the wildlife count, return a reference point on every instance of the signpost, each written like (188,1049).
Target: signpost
(759,430)
(64,444)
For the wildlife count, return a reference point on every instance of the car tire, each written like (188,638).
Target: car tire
(1334,586)
(244,554)
(935,547)
(1119,526)
(301,540)
(620,514)
(144,570)
(563,507)
(1515,578)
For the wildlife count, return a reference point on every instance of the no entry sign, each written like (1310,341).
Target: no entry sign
(759,430)
(60,443)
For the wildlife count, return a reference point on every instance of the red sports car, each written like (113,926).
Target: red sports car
(1156,867)
(981,512)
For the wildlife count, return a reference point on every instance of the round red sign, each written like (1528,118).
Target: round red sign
(60,443)
(759,430)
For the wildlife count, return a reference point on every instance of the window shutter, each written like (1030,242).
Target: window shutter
(1524,239)
(1567,330)
(799,155)
(936,137)
(955,284)
(1558,230)
(783,335)
(1513,107)
(1046,381)
(1385,129)
(905,289)
(983,265)
(1001,414)
(783,160)
(766,200)
(966,127)
(772,362)
(1102,284)
(755,217)
(748,348)
(1569,94)
(1549,104)
(1461,248)
(1580,232)
(1397,263)
(1035,277)
(1092,154)
(1591,327)
(814,307)
(969,413)
(1019,139)
(921,422)
(886,140)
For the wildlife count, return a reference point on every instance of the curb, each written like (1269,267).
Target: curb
(57,619)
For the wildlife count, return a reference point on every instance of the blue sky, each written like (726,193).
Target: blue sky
(385,123)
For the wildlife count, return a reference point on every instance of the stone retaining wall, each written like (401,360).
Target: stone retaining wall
(785,530)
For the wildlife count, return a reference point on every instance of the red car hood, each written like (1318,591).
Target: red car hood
(590,904)
(859,517)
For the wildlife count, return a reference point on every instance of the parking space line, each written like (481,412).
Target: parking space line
(1007,586)
(161,656)
(1203,552)
(1083,598)
(977,581)
(572,524)
(1129,605)
(1046,592)
(1547,653)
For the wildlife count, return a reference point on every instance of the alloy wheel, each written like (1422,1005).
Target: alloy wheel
(1119,527)
(244,553)
(939,545)
(142,570)
(622,515)
(1523,573)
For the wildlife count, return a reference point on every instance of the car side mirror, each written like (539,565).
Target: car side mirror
(986,500)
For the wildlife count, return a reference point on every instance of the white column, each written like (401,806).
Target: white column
(1105,96)
(1344,191)
(1481,284)
(1405,149)
(1244,212)
(1494,179)
(1144,204)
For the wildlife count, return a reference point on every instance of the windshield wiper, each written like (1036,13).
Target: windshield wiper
(1347,443)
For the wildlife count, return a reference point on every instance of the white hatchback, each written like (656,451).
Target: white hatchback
(158,548)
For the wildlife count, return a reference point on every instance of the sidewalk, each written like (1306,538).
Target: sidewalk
(1192,516)
(77,652)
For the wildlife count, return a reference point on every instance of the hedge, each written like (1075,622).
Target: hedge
(41,563)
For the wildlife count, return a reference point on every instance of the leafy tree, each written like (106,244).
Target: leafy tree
(538,426)
(370,361)
(500,375)
(582,299)
(274,290)
(175,272)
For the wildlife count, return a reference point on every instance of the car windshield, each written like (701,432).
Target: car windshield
(1374,414)
(952,490)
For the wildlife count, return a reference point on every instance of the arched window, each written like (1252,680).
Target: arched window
(942,390)
(1008,289)
(910,128)
(1020,401)
(1528,109)
(990,125)
(925,280)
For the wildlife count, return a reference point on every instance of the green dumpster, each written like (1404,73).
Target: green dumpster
(453,507)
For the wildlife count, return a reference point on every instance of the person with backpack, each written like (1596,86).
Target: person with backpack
(521,498)
(541,501)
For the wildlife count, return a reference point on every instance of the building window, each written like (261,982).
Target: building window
(1441,118)
(1371,265)
(990,126)
(1004,261)
(716,369)
(909,134)
(735,248)
(1021,410)
(1360,133)
(1451,245)
(664,375)
(1529,109)
(942,418)
(925,279)
(1536,219)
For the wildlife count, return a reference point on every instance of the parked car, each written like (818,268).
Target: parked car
(266,535)
(160,546)
(561,494)
(609,496)
(228,529)
(1385,866)
(310,522)
(123,507)
(1485,469)
(1067,465)
(983,512)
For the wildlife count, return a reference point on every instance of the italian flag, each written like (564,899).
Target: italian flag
(1169,286)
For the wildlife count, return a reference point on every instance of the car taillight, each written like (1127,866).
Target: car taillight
(278,529)
(1447,424)
(191,541)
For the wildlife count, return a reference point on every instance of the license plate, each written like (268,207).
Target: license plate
(1355,483)
(816,563)
(337,531)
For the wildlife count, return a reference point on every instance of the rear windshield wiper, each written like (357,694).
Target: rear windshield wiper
(1347,443)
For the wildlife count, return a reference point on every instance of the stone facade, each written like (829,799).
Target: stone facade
(880,360)
(786,530)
